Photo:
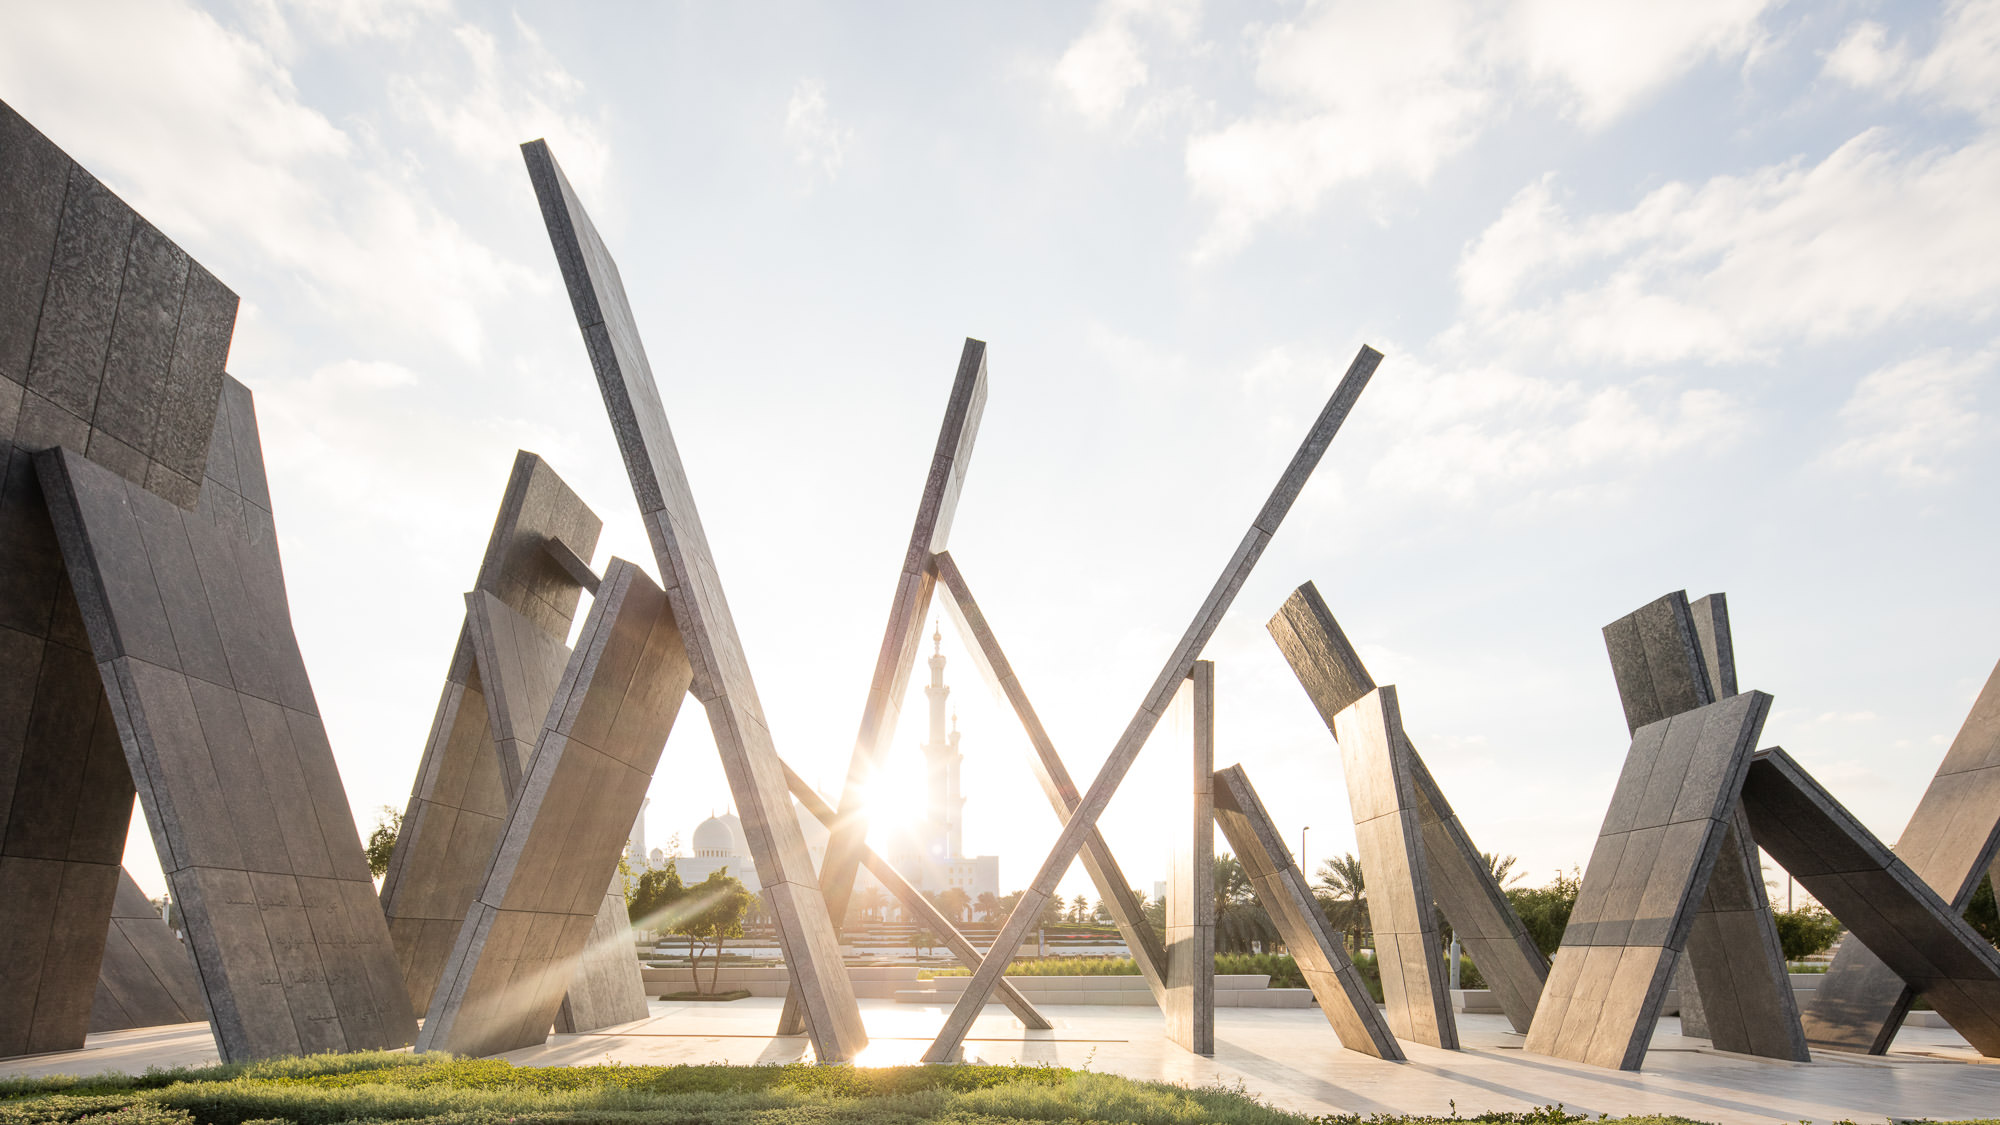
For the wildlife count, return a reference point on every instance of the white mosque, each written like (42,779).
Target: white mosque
(931,857)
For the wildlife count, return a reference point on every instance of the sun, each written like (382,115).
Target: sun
(893,800)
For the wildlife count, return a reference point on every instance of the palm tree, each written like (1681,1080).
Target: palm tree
(987,907)
(1240,921)
(953,902)
(1502,868)
(869,901)
(1346,900)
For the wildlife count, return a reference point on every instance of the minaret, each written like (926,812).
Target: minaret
(947,807)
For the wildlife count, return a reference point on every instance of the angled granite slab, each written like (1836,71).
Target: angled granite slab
(1455,871)
(1178,666)
(721,670)
(1950,840)
(1883,902)
(1190,1006)
(1667,657)
(902,638)
(1388,831)
(468,773)
(1652,863)
(188,619)
(519,947)
(112,345)
(147,978)
(1343,996)
(1112,887)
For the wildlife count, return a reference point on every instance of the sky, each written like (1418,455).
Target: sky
(1696,296)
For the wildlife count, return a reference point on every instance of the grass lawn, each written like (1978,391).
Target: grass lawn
(440,1090)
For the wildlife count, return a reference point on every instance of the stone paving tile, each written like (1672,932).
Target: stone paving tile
(1287,1057)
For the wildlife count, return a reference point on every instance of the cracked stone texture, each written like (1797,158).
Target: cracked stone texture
(112,345)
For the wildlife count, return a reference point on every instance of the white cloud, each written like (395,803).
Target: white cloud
(1734,267)
(1105,64)
(1606,57)
(507,95)
(1357,91)
(202,129)
(1462,433)
(1962,71)
(1910,418)
(818,144)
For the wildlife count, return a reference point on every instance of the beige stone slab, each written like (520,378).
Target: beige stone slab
(519,948)
(1668,655)
(189,621)
(1950,840)
(718,664)
(1105,874)
(470,766)
(1603,1010)
(1884,904)
(1460,882)
(1180,662)
(1190,996)
(1281,887)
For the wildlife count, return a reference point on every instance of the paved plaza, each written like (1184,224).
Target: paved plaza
(1288,1057)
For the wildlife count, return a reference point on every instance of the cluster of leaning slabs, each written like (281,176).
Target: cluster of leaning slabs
(146,651)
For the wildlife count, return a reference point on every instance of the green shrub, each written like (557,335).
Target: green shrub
(1805,931)
(1545,910)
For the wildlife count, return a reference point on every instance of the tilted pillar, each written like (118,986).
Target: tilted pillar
(1668,657)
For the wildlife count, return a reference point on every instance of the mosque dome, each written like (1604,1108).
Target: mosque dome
(712,837)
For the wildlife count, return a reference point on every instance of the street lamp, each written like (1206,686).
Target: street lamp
(1303,869)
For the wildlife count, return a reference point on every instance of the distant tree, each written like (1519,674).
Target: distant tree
(382,841)
(1155,912)
(1805,931)
(1545,910)
(1079,908)
(924,940)
(1240,922)
(1981,914)
(655,895)
(987,907)
(1052,912)
(1502,868)
(710,912)
(953,902)
(1342,889)
(868,902)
